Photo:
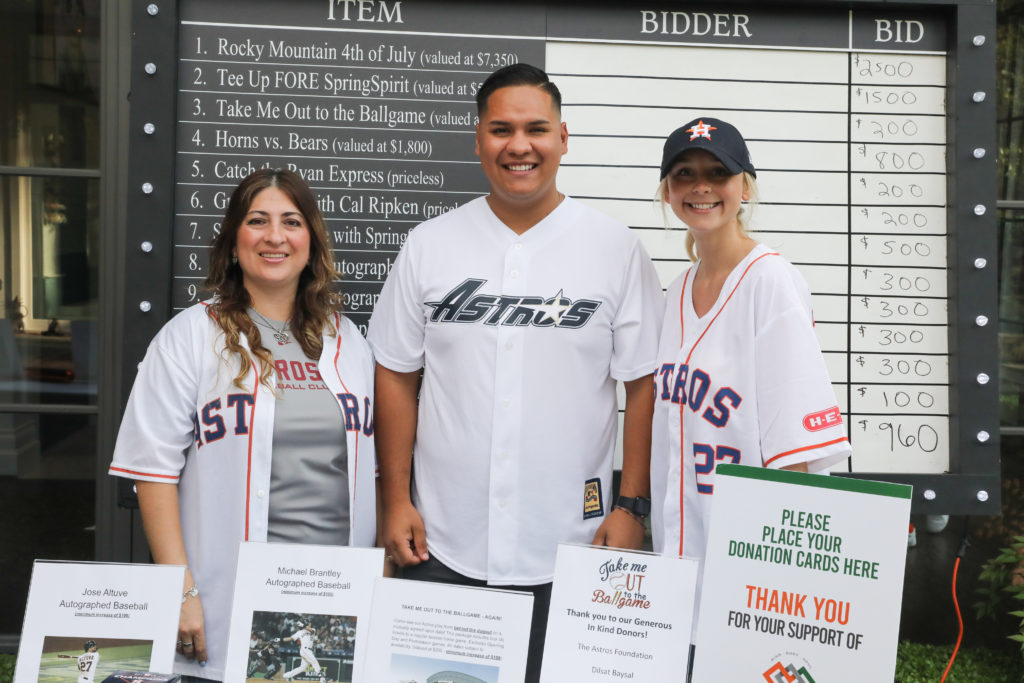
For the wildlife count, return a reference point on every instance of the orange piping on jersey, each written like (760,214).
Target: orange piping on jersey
(682,458)
(682,405)
(252,430)
(355,470)
(724,304)
(805,448)
(143,474)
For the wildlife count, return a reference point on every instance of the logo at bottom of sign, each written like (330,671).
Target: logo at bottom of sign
(785,670)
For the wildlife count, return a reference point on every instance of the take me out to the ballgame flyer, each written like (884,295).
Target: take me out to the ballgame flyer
(803,575)
(86,620)
(618,615)
(301,609)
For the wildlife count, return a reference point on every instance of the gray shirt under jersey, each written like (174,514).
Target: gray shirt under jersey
(309,468)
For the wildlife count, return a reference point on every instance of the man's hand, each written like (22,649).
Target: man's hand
(620,529)
(395,411)
(405,539)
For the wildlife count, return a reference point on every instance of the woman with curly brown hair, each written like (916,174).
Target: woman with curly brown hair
(251,416)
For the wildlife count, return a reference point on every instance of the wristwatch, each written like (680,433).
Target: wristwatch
(641,507)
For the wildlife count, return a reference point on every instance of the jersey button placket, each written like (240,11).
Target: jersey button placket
(503,527)
(261,432)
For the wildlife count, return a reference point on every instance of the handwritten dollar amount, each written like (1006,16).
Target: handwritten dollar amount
(868,68)
(909,367)
(898,435)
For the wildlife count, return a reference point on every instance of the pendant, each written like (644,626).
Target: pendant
(281,336)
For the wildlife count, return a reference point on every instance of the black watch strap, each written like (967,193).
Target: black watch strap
(641,507)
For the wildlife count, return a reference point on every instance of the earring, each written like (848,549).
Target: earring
(234,259)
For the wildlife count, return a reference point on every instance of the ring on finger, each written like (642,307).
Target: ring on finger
(189,644)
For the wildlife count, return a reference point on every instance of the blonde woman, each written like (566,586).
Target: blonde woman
(740,375)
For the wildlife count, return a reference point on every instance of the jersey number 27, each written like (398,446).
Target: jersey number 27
(705,458)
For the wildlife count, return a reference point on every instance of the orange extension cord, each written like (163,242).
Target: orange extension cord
(959,618)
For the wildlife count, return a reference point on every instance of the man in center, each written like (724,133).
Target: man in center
(523,309)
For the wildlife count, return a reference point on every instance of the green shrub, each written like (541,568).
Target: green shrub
(916,663)
(1001,587)
(7,668)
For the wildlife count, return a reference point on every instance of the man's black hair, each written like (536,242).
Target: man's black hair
(517,74)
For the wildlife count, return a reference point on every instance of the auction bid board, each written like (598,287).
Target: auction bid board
(853,118)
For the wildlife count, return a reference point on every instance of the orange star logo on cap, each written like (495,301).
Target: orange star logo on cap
(701,130)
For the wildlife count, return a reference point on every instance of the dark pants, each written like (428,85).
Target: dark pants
(433,570)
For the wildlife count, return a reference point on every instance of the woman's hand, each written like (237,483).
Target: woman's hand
(191,634)
(158,503)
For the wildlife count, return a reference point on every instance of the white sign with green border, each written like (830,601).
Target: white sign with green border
(804,576)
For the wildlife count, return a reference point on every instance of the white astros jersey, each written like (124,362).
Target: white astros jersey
(746,383)
(304,638)
(87,664)
(522,339)
(187,424)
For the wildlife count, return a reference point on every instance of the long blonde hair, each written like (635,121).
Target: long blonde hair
(315,300)
(744,215)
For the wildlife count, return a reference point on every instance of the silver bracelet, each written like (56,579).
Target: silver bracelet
(192,592)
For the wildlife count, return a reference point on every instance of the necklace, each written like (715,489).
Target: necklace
(281,335)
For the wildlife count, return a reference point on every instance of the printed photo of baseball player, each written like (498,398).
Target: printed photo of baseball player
(301,647)
(263,655)
(89,660)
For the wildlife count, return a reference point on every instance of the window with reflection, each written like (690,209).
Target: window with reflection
(47,499)
(49,265)
(48,280)
(1011,317)
(50,78)
(1010,190)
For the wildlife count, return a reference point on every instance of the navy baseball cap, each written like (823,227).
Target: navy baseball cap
(712,135)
